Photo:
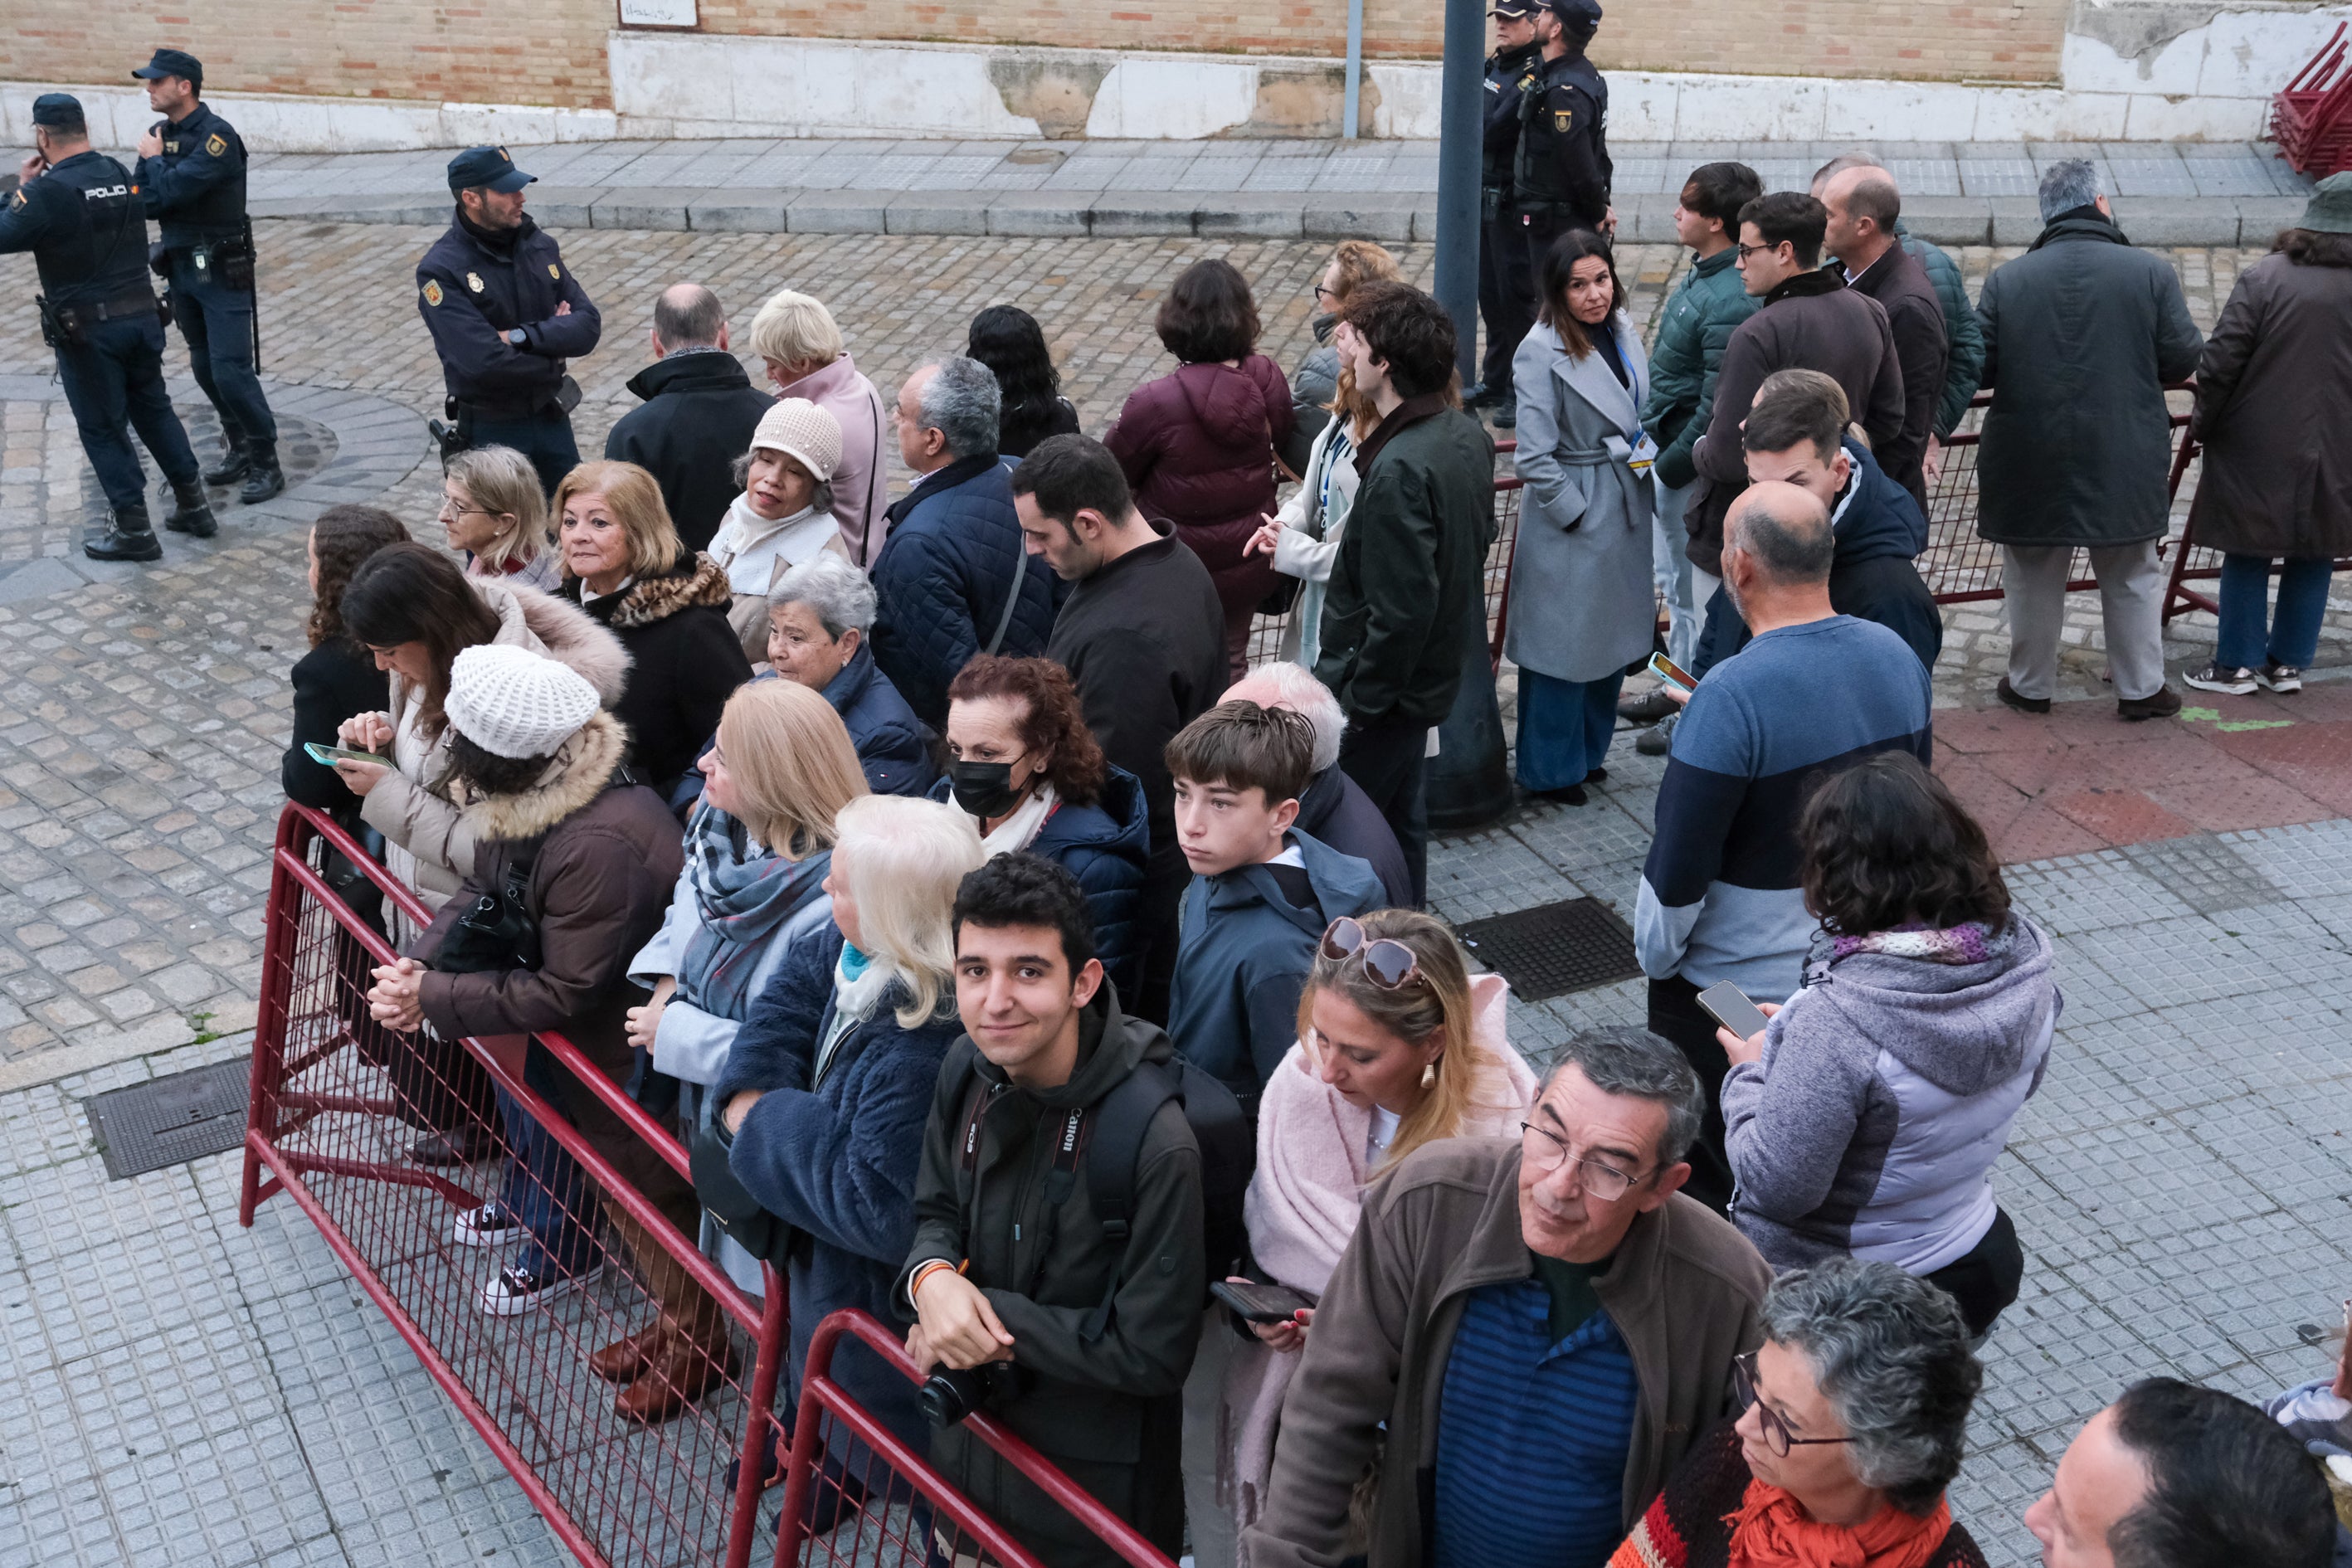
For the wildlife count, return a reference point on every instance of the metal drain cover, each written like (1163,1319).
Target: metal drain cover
(170,1121)
(1554,948)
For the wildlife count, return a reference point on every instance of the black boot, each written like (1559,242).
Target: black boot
(132,538)
(236,464)
(192,512)
(265,477)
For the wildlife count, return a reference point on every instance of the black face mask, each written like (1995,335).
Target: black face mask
(983,789)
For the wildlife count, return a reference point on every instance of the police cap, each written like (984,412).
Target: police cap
(174,62)
(1514,10)
(1579,16)
(479,166)
(58,112)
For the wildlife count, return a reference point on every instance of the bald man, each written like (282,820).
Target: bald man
(1864,206)
(1812,692)
(699,411)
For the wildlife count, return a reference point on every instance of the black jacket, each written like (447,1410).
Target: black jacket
(473,287)
(87,229)
(1335,811)
(332,682)
(1915,317)
(1144,641)
(699,411)
(685,662)
(195,187)
(1563,173)
(1021,426)
(1507,73)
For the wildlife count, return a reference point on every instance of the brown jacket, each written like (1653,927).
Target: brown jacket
(2272,389)
(1683,1291)
(1812,321)
(1915,317)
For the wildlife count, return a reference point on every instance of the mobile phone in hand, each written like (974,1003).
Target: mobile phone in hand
(328,756)
(1262,1303)
(1728,1005)
(1666,670)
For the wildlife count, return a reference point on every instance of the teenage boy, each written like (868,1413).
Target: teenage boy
(1262,893)
(1085,1337)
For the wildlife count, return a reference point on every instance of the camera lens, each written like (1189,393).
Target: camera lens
(948,1396)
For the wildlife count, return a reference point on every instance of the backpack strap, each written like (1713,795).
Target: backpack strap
(1121,1119)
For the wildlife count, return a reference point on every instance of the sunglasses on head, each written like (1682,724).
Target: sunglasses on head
(1388,963)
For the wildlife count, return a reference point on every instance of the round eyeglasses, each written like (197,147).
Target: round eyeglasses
(1776,1436)
(1546,1152)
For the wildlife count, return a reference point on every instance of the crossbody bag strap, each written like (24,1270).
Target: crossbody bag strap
(1019,572)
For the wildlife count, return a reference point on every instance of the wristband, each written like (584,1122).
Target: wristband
(922,1274)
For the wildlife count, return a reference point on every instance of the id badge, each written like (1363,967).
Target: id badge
(1643,454)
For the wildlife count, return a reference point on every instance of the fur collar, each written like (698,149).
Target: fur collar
(566,632)
(575,777)
(697,580)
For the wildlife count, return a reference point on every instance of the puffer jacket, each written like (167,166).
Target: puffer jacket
(943,577)
(1197,445)
(687,661)
(893,747)
(1963,333)
(428,844)
(1313,386)
(1884,1095)
(1707,308)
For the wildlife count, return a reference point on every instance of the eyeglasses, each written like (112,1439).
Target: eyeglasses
(1777,1435)
(1323,293)
(1549,1151)
(1388,963)
(451,512)
(1748,250)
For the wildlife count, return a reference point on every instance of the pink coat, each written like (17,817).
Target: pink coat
(861,480)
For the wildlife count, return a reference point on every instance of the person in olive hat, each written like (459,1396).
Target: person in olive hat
(79,212)
(505,314)
(1562,176)
(192,176)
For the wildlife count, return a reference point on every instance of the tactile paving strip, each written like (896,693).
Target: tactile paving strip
(1554,948)
(170,1121)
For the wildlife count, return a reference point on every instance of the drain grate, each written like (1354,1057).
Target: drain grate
(170,1121)
(1554,948)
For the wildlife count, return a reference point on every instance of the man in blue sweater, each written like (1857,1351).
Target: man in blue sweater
(1814,691)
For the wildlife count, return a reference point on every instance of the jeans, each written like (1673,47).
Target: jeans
(217,322)
(546,1192)
(1564,727)
(545,437)
(2294,636)
(1677,579)
(114,377)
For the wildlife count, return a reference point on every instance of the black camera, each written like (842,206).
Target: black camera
(949,1396)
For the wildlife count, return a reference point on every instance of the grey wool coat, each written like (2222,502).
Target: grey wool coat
(1582,607)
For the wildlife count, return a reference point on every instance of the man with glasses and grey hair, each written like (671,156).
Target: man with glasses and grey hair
(2080,333)
(954,577)
(1543,1325)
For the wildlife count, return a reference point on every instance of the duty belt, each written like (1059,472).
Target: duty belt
(129,305)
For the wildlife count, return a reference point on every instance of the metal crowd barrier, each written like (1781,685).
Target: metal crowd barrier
(336,1100)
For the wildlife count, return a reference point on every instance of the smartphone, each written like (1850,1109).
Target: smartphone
(328,756)
(1262,1303)
(1667,669)
(1728,1005)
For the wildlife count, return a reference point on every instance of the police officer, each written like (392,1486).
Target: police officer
(1563,173)
(505,314)
(191,173)
(1506,290)
(79,214)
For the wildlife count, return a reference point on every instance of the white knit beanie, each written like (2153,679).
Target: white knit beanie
(804,432)
(512,702)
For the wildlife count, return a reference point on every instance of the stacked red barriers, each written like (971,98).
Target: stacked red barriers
(2311,120)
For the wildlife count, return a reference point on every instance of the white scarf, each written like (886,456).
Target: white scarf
(787,542)
(1016,830)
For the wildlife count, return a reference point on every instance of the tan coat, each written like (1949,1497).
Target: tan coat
(2272,389)
(428,844)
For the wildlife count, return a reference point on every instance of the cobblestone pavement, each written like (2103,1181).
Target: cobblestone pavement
(179,1389)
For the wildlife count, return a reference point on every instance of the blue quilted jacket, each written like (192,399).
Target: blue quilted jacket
(943,577)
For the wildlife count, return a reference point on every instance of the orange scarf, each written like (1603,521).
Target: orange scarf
(1769,1530)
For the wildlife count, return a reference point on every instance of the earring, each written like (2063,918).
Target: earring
(1429,1075)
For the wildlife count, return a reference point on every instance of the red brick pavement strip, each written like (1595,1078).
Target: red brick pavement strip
(2080,779)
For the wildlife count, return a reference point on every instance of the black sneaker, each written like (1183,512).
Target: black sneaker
(1507,414)
(2230,680)
(1659,739)
(514,1292)
(1648,707)
(2279,676)
(488,1225)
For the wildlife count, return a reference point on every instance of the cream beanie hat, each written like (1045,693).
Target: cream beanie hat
(515,703)
(804,432)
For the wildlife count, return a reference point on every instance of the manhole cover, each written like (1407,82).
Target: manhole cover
(1554,948)
(170,1121)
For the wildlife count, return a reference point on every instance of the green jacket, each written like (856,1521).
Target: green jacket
(1411,570)
(1963,334)
(1692,332)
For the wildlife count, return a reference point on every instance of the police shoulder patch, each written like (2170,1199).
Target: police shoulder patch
(18,199)
(1560,117)
(215,145)
(474,281)
(555,273)
(433,291)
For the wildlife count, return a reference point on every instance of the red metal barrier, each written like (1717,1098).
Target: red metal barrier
(336,1099)
(888,1506)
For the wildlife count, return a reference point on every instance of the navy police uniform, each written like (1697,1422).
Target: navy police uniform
(84,223)
(1506,291)
(194,188)
(1562,173)
(490,298)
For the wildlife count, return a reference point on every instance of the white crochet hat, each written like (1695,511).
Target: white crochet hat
(804,432)
(512,702)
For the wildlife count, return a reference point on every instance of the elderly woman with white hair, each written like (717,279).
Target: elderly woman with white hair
(1856,1417)
(1334,808)
(829,1087)
(784,516)
(495,510)
(802,348)
(819,615)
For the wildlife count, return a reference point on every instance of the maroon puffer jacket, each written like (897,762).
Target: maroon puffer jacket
(1198,448)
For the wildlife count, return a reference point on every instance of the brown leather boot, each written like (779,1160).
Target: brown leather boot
(678,1372)
(624,1359)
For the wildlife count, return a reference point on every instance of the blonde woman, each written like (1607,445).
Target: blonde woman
(624,565)
(1398,1047)
(797,338)
(829,1087)
(1303,536)
(1315,385)
(495,510)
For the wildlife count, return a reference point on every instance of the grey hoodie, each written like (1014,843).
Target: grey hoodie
(1883,1097)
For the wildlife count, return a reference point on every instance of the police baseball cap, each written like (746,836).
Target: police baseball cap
(173,62)
(58,110)
(1514,10)
(479,166)
(1582,15)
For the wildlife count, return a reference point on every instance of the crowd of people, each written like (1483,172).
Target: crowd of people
(1021,967)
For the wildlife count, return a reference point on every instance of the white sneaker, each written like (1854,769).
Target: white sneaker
(2230,680)
(488,1225)
(514,1292)
(2279,676)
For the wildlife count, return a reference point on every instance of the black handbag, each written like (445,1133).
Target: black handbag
(737,1211)
(498,932)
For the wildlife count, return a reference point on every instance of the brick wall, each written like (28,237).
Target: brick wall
(421,52)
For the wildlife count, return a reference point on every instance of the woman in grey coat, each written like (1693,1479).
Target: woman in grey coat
(1582,607)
